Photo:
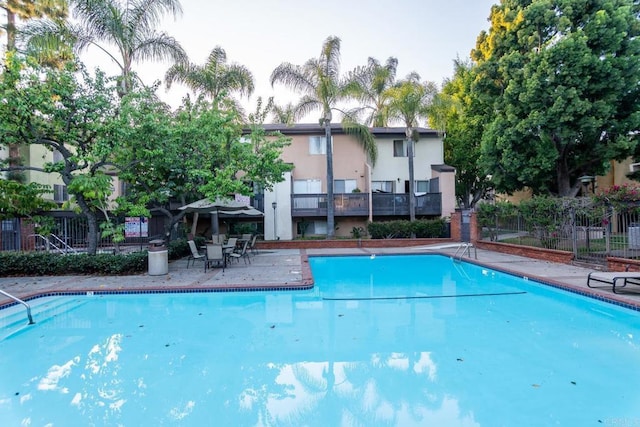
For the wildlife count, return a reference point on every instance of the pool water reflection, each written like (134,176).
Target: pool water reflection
(391,340)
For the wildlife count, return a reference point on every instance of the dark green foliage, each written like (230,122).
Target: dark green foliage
(50,264)
(426,228)
(180,248)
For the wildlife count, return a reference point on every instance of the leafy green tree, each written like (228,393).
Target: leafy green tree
(322,88)
(369,86)
(215,79)
(19,200)
(63,111)
(410,102)
(198,151)
(564,77)
(465,119)
(130,27)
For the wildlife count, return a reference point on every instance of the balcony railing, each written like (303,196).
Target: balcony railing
(357,204)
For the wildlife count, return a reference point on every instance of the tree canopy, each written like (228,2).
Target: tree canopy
(564,78)
(198,151)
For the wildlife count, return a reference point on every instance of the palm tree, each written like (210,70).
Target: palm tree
(283,114)
(319,82)
(410,101)
(215,79)
(370,85)
(29,9)
(129,26)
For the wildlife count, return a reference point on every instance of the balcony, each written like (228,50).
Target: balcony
(357,204)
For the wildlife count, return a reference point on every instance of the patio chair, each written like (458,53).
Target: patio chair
(230,246)
(195,254)
(242,253)
(215,255)
(218,238)
(252,245)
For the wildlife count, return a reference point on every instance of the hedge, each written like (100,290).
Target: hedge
(402,229)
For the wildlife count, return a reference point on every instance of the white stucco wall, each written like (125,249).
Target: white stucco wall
(277,223)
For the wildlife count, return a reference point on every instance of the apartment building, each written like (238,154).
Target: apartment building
(362,191)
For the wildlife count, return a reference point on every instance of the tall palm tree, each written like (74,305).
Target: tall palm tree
(215,79)
(29,9)
(130,26)
(322,87)
(369,86)
(410,102)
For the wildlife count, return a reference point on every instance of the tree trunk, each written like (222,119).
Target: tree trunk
(412,192)
(330,205)
(564,180)
(92,223)
(11,30)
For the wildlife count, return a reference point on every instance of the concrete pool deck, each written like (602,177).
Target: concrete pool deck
(289,269)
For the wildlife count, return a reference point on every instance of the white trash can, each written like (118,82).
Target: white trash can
(158,258)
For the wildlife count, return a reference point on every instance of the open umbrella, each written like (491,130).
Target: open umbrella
(213,207)
(248,212)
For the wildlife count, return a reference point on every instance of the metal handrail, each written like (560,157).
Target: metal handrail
(466,249)
(31,322)
(49,243)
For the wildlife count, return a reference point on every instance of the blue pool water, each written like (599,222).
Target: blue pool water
(380,341)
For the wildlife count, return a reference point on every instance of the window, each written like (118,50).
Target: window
(312,227)
(307,186)
(382,186)
(60,193)
(400,148)
(317,145)
(422,187)
(344,185)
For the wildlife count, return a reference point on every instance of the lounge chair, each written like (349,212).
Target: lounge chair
(195,254)
(242,253)
(215,255)
(614,279)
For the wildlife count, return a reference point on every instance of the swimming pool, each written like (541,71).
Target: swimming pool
(387,340)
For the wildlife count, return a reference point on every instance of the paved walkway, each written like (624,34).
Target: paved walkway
(289,269)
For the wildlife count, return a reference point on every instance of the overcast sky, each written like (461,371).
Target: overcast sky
(424,35)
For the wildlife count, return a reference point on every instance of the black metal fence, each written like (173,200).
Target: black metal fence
(70,234)
(591,232)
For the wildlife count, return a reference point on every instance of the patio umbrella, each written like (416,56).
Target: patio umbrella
(250,211)
(213,207)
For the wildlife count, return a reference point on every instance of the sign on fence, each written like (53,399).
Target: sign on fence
(135,226)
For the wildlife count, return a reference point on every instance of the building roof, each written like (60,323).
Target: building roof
(336,128)
(443,168)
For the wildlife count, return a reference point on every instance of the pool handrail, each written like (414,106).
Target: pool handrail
(466,248)
(31,322)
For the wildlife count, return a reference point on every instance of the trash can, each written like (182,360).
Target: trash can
(158,258)
(634,235)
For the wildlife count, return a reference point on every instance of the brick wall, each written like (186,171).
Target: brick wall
(348,243)
(620,264)
(552,255)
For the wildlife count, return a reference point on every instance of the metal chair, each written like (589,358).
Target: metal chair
(195,254)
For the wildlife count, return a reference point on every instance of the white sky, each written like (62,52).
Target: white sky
(425,35)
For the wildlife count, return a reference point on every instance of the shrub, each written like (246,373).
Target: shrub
(425,228)
(52,264)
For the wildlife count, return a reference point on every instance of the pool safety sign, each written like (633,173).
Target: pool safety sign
(136,226)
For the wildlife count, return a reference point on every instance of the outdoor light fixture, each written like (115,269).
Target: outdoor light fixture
(586,179)
(274,205)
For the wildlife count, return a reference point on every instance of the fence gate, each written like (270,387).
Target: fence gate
(10,238)
(465,225)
